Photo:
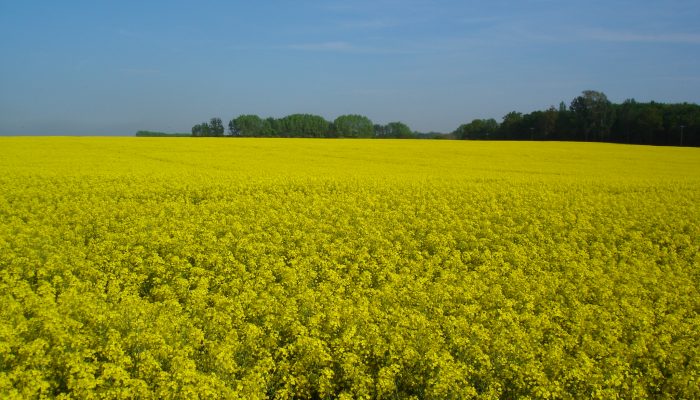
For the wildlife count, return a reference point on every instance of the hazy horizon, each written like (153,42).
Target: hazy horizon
(88,68)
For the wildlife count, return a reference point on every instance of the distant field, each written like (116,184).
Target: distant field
(308,268)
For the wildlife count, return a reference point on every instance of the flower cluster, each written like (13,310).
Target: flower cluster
(263,268)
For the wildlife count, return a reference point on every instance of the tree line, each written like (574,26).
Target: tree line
(589,117)
(303,125)
(592,117)
(160,134)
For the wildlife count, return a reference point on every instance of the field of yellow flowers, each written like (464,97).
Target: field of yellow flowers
(301,268)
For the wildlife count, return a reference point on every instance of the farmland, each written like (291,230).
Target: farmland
(302,268)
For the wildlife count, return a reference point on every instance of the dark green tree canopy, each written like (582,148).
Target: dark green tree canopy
(594,114)
(216,127)
(398,130)
(303,125)
(249,125)
(477,129)
(353,125)
(202,129)
(590,117)
(512,124)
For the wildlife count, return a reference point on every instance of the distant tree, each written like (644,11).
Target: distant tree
(594,115)
(232,128)
(143,133)
(379,130)
(540,125)
(201,130)
(627,114)
(398,130)
(216,127)
(656,123)
(432,135)
(649,123)
(271,127)
(684,124)
(206,129)
(565,126)
(353,125)
(477,129)
(590,116)
(303,125)
(247,125)
(511,125)
(547,124)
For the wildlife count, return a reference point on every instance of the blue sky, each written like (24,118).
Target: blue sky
(111,68)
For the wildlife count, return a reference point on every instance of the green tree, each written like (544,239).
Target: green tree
(511,125)
(565,123)
(353,125)
(379,130)
(197,130)
(594,115)
(547,123)
(627,115)
(216,127)
(201,130)
(271,127)
(649,123)
(303,125)
(477,129)
(398,130)
(232,128)
(248,125)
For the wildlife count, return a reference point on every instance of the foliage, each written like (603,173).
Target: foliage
(394,130)
(347,269)
(249,125)
(308,125)
(594,114)
(589,117)
(161,134)
(202,129)
(592,117)
(216,127)
(477,129)
(353,125)
(303,125)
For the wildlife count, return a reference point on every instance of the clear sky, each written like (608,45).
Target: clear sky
(112,68)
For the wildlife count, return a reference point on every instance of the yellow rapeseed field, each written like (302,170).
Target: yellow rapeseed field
(157,268)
